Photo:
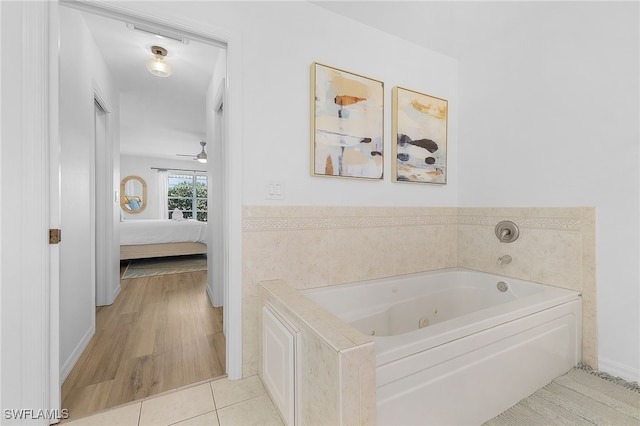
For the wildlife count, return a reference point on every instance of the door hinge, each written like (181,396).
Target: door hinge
(54,236)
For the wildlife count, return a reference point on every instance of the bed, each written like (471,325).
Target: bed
(147,238)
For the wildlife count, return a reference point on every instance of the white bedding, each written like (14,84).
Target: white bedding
(153,231)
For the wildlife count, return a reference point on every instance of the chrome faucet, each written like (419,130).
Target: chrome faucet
(504,260)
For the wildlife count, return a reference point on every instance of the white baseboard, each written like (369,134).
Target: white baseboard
(210,294)
(116,292)
(617,369)
(75,354)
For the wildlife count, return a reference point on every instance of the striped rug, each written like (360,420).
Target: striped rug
(580,397)
(139,268)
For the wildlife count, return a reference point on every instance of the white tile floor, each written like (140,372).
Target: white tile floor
(218,402)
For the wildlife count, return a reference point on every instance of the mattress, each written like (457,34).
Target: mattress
(154,231)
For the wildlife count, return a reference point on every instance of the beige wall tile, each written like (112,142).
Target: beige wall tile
(357,211)
(307,258)
(590,331)
(346,255)
(357,385)
(319,382)
(589,288)
(311,246)
(558,212)
(411,249)
(284,211)
(250,336)
(376,252)
(264,257)
(442,247)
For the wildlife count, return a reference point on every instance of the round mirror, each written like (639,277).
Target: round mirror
(133,194)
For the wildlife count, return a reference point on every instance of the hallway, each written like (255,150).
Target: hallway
(160,334)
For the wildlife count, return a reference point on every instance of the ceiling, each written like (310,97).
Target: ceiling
(454,28)
(159,117)
(162,117)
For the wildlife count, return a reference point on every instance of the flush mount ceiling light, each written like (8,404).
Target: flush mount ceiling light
(158,65)
(202,157)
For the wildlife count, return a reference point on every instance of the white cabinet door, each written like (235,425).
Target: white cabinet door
(280,346)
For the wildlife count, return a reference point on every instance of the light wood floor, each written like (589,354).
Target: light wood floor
(160,334)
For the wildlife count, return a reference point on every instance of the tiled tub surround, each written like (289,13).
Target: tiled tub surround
(337,371)
(320,246)
(556,246)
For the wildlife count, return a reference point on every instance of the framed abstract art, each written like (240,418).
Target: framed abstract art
(419,133)
(347,124)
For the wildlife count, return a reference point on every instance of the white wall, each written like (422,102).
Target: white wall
(82,70)
(131,165)
(549,117)
(279,43)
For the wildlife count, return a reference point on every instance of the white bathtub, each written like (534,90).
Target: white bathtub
(452,349)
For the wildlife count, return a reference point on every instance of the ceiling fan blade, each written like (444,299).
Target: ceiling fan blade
(202,156)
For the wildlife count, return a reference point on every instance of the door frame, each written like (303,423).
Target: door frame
(217,174)
(145,12)
(107,280)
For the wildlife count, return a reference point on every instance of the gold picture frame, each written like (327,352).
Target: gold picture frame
(347,124)
(419,132)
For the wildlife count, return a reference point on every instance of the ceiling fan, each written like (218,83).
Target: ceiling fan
(201,157)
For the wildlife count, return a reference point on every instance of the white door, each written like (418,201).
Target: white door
(29,364)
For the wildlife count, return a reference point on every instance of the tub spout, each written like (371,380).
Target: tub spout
(504,260)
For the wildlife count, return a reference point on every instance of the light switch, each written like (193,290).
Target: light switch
(274,191)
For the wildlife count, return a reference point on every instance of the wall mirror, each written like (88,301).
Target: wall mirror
(133,194)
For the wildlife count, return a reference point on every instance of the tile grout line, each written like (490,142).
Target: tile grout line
(192,417)
(215,404)
(140,413)
(245,400)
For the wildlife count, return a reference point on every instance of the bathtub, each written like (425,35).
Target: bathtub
(452,348)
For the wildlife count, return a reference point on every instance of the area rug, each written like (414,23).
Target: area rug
(634,386)
(580,397)
(165,265)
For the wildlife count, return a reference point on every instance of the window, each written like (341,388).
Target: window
(188,193)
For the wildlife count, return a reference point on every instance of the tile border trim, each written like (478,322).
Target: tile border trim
(552,223)
(257,224)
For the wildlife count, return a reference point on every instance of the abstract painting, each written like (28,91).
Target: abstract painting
(347,124)
(420,137)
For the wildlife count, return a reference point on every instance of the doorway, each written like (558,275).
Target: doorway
(112,195)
